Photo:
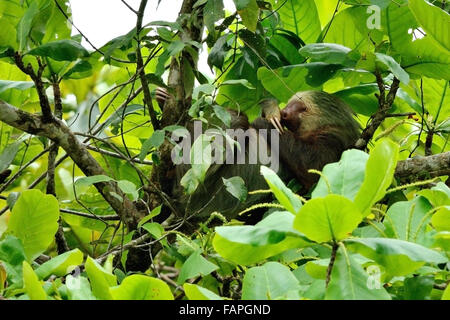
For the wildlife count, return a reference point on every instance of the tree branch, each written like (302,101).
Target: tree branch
(419,167)
(59,133)
(141,70)
(384,105)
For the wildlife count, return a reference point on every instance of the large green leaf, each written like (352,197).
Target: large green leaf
(328,53)
(270,281)
(101,280)
(249,15)
(393,67)
(301,17)
(34,220)
(407,220)
(250,244)
(141,287)
(61,50)
(382,159)
(422,56)
(32,285)
(18,85)
(194,266)
(60,265)
(195,292)
(348,28)
(78,288)
(349,281)
(344,177)
(213,12)
(398,257)
(434,21)
(285,81)
(330,218)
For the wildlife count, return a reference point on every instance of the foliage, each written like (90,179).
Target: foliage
(362,233)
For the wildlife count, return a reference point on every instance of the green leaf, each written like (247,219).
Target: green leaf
(25,25)
(408,220)
(32,285)
(251,244)
(9,153)
(283,194)
(328,53)
(418,288)
(438,195)
(241,4)
(101,280)
(195,292)
(236,186)
(243,82)
(446,294)
(213,11)
(441,219)
(249,14)
(325,219)
(18,85)
(398,257)
(128,187)
(195,266)
(434,21)
(12,256)
(218,52)
(140,287)
(61,50)
(201,160)
(78,288)
(344,177)
(270,281)
(349,281)
(348,28)
(393,66)
(60,265)
(222,114)
(154,228)
(383,158)
(296,78)
(88,181)
(301,17)
(34,220)
(156,211)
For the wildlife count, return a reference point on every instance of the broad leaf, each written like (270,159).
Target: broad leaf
(344,177)
(283,194)
(195,292)
(270,281)
(62,50)
(349,281)
(141,287)
(194,266)
(383,158)
(398,257)
(34,220)
(250,244)
(331,218)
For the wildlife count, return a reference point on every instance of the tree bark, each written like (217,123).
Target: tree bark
(422,167)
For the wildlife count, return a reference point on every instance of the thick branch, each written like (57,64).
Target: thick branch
(423,167)
(59,133)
